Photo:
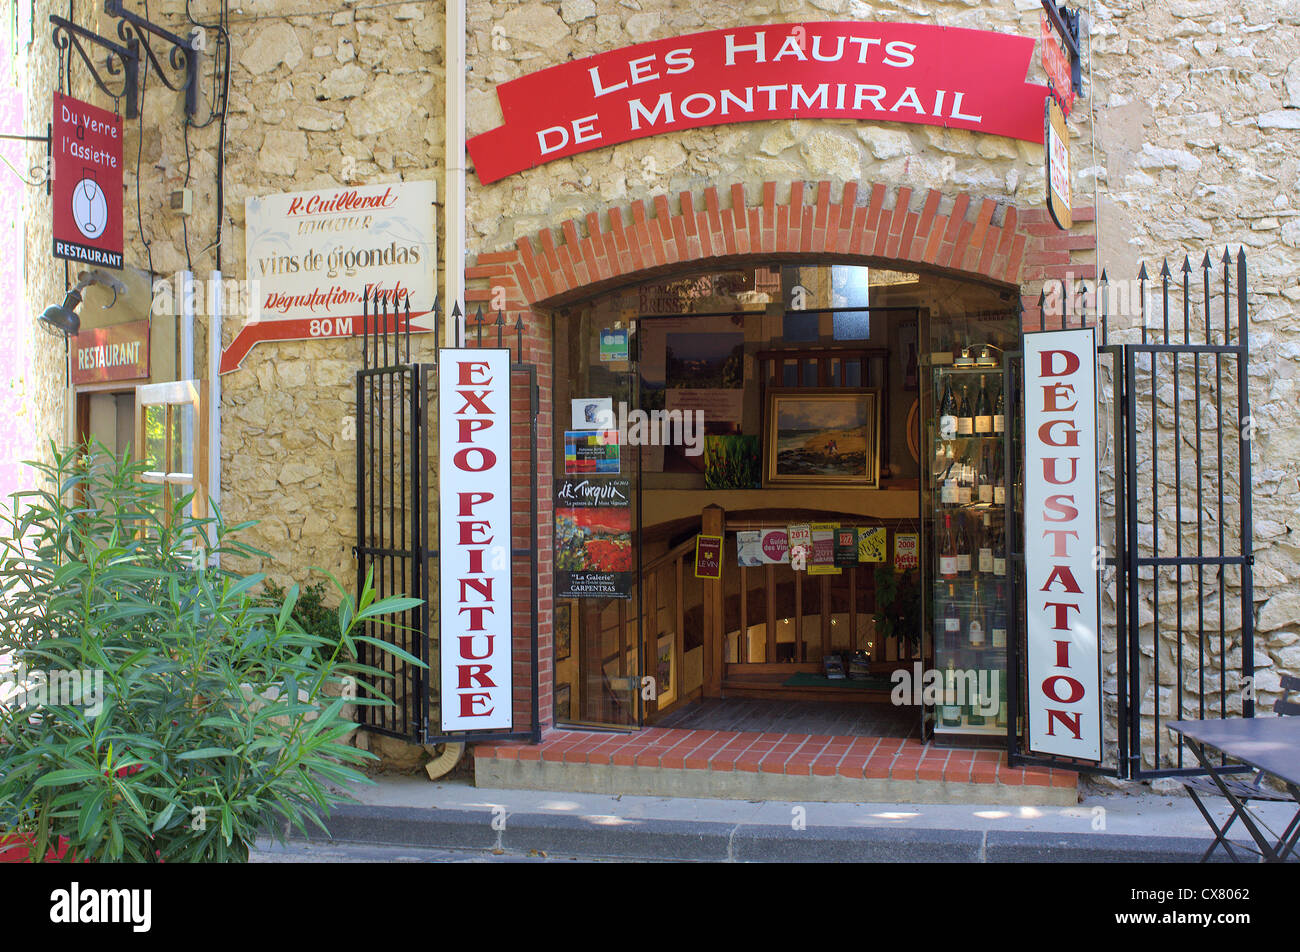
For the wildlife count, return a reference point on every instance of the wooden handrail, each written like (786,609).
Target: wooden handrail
(671,555)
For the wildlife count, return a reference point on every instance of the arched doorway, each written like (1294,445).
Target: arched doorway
(765,392)
(955,237)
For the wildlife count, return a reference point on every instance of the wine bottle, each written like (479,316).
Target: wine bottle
(947,412)
(964,482)
(999,479)
(985,562)
(965,419)
(974,716)
(950,711)
(998,627)
(951,622)
(975,627)
(1000,552)
(1000,412)
(985,486)
(963,547)
(948,550)
(983,412)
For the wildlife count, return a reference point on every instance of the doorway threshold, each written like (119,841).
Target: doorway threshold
(676,762)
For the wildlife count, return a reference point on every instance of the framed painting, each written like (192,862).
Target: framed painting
(822,437)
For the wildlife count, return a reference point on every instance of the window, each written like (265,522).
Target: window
(171,436)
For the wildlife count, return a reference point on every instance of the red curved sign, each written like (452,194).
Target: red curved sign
(876,72)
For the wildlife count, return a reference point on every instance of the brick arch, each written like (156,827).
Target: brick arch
(960,236)
(965,237)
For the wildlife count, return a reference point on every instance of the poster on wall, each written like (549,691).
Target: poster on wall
(86,149)
(872,544)
(1061,537)
(708,556)
(591,451)
(755,547)
(474,525)
(822,559)
(593,538)
(907,548)
(313,257)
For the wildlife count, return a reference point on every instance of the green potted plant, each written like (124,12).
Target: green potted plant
(898,604)
(203,716)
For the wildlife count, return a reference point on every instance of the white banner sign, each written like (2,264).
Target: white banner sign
(1064,650)
(474,538)
(312,257)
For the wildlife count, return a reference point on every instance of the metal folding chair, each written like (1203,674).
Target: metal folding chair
(1239,793)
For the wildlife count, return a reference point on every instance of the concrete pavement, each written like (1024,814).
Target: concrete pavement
(412,819)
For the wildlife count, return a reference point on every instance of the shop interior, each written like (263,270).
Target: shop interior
(833,426)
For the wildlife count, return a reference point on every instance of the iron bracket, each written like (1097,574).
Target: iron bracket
(183,55)
(68,36)
(1066,23)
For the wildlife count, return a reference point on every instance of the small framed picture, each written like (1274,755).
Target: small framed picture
(822,437)
(563,703)
(592,413)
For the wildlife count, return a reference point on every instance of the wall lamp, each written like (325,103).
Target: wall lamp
(63,318)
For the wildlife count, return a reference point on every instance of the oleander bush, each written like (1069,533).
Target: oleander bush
(218,717)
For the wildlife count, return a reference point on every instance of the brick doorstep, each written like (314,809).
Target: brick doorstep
(694,763)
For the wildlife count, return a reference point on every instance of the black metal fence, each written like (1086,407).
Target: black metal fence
(1175,486)
(396,471)
(392,430)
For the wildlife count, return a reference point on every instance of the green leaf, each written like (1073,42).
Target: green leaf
(205,753)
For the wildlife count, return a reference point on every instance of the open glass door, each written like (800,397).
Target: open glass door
(598,659)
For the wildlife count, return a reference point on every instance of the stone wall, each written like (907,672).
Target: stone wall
(1187,139)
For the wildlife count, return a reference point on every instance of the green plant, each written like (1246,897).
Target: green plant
(204,716)
(898,603)
(310,610)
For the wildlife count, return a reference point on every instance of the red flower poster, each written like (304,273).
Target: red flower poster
(594,557)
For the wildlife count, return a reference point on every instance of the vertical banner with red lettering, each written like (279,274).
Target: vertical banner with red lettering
(1061,539)
(474,539)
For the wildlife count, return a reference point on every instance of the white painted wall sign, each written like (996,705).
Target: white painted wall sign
(313,256)
(474,538)
(1064,651)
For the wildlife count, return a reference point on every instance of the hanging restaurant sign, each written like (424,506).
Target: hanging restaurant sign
(1056,62)
(1061,537)
(87,183)
(313,257)
(474,531)
(876,72)
(1056,134)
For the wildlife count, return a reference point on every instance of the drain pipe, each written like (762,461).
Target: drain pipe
(217,303)
(454,163)
(186,369)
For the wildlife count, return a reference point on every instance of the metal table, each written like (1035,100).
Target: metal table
(1270,744)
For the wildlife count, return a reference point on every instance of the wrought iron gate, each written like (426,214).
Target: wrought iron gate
(1201,559)
(396,468)
(1179,572)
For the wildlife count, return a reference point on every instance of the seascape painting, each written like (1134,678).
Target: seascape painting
(820,437)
